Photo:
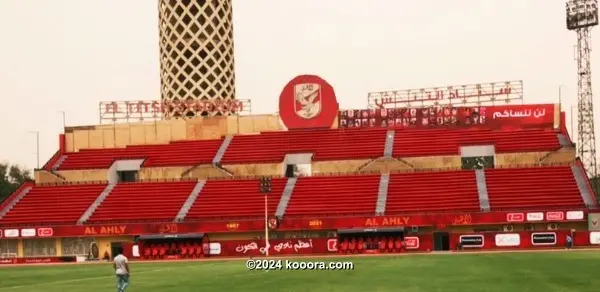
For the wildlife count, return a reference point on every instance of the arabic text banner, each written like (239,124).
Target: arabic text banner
(491,117)
(277,246)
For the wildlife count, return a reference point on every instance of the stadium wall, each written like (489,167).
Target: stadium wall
(325,241)
(162,132)
(382,165)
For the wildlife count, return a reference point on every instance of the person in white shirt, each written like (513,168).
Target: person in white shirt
(121,270)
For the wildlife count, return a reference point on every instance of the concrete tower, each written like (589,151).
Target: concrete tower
(196,55)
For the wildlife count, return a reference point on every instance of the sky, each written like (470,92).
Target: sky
(68,55)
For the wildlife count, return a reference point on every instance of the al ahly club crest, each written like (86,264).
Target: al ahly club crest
(307,104)
(273,223)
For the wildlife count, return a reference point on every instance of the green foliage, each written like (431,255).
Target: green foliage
(11,177)
(595,182)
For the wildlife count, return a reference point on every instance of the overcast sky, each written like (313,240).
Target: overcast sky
(68,55)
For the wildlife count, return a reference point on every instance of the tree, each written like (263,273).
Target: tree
(595,182)
(11,177)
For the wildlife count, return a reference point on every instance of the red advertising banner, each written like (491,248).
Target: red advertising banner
(296,246)
(308,223)
(37,260)
(508,116)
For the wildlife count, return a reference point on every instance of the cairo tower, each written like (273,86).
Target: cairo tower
(196,53)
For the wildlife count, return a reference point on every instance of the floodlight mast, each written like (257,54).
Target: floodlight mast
(582,15)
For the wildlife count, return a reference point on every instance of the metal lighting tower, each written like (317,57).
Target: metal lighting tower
(582,15)
(265,188)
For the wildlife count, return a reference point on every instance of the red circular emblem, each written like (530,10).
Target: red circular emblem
(273,223)
(308,101)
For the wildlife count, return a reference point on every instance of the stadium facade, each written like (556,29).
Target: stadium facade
(387,178)
(196,175)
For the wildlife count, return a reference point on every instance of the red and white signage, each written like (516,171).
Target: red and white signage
(555,216)
(332,245)
(537,216)
(214,248)
(411,242)
(515,217)
(594,237)
(289,245)
(11,233)
(575,215)
(543,238)
(508,239)
(472,240)
(41,260)
(30,232)
(277,246)
(308,101)
(45,232)
(486,117)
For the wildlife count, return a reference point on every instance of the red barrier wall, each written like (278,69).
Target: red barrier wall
(295,246)
(520,240)
(38,260)
(490,240)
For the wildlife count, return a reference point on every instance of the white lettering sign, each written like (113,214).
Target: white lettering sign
(594,237)
(28,232)
(575,215)
(11,233)
(538,216)
(509,239)
(214,248)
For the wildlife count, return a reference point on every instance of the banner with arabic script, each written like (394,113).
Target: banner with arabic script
(489,117)
(277,246)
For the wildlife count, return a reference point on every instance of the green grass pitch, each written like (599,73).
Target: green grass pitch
(544,272)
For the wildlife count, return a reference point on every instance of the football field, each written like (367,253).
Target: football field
(536,271)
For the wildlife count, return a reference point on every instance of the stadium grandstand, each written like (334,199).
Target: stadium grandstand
(417,170)
(388,178)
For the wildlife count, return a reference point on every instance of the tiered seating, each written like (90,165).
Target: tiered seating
(540,187)
(325,144)
(332,195)
(432,192)
(158,201)
(53,204)
(235,198)
(172,154)
(431,142)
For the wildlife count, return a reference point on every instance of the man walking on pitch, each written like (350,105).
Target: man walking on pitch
(121,270)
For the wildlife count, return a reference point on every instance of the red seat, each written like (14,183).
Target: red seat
(235,198)
(345,246)
(331,195)
(432,192)
(382,244)
(417,142)
(398,244)
(326,144)
(156,201)
(390,244)
(57,204)
(352,245)
(360,245)
(173,154)
(537,187)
